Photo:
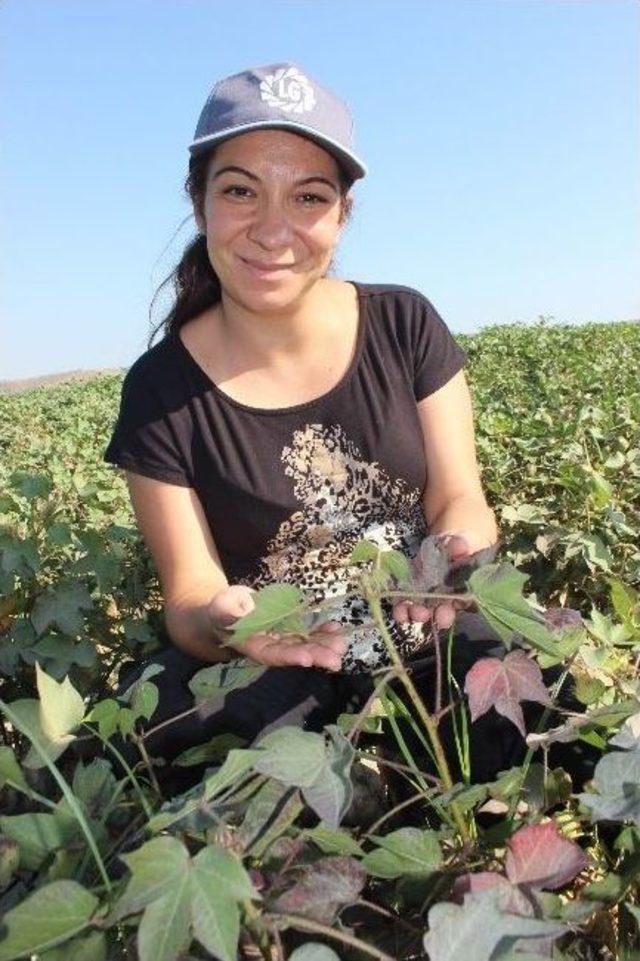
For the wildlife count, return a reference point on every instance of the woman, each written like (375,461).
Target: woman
(287,414)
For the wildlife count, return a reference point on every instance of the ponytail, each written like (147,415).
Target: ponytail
(195,283)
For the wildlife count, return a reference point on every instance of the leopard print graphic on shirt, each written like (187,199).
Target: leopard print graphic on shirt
(344,499)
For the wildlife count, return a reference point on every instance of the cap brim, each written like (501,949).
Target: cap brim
(352,165)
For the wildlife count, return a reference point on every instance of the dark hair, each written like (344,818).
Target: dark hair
(195,284)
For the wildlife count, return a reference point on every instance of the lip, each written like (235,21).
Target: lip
(264,269)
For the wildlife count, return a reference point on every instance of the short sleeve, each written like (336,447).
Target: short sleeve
(436,354)
(145,438)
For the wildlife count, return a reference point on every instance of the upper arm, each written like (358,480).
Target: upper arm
(175,529)
(446,418)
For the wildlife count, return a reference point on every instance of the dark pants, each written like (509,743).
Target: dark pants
(311,698)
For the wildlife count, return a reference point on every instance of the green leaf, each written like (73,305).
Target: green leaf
(223,871)
(291,755)
(278,607)
(144,700)
(154,868)
(90,947)
(61,707)
(163,933)
(94,785)
(10,770)
(236,765)
(31,486)
(331,793)
(150,671)
(363,551)
(105,715)
(28,714)
(333,841)
(271,811)
(497,590)
(62,606)
(596,553)
(177,893)
(38,834)
(397,565)
(214,750)
(626,602)
(406,851)
(211,685)
(52,914)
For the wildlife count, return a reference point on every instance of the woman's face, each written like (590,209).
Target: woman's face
(272,217)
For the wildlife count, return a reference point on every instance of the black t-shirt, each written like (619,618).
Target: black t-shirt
(288,492)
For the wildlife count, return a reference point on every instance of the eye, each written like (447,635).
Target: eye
(237,190)
(310,200)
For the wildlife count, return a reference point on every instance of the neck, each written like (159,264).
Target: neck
(294,332)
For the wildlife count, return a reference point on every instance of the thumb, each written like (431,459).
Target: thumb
(458,547)
(232,603)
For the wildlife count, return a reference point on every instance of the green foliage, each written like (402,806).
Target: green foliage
(96,863)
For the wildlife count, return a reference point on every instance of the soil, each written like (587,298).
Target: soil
(54,380)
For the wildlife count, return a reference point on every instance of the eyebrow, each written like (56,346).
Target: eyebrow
(232,168)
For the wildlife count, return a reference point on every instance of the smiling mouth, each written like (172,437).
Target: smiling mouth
(265,268)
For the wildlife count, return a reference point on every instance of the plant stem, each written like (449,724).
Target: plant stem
(144,804)
(364,712)
(171,720)
(430,725)
(375,827)
(316,927)
(139,742)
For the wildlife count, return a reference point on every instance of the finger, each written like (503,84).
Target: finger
(458,548)
(332,642)
(325,657)
(444,616)
(401,611)
(328,627)
(419,613)
(233,604)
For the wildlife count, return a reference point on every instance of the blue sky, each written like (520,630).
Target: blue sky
(501,136)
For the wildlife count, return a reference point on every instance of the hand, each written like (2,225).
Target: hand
(459,546)
(326,650)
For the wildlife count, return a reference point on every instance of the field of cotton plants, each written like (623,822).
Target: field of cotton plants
(375,838)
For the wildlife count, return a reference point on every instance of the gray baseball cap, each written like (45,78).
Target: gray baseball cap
(280,95)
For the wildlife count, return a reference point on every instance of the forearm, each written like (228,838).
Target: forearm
(191,628)
(468,514)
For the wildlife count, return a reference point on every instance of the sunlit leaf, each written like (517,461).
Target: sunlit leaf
(407,851)
(278,607)
(497,590)
(538,856)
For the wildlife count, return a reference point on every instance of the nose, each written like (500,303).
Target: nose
(270,227)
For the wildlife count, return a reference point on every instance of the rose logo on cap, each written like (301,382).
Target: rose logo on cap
(288,90)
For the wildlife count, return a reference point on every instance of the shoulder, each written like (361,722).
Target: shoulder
(151,369)
(396,298)
(403,309)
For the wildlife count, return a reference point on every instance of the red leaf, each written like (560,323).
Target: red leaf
(539,856)
(323,888)
(502,684)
